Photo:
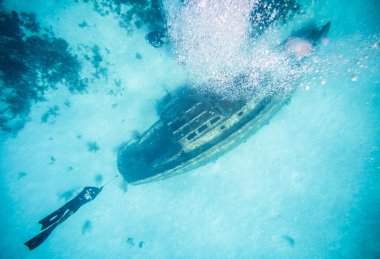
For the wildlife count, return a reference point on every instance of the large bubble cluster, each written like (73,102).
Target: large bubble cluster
(213,41)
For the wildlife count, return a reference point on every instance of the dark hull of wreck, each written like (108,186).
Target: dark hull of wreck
(134,168)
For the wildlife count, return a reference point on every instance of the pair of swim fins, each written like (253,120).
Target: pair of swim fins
(50,222)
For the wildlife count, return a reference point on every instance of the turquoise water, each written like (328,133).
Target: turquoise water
(305,186)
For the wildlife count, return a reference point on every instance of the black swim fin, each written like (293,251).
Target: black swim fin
(50,222)
(40,238)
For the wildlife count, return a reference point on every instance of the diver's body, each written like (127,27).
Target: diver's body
(50,222)
(312,33)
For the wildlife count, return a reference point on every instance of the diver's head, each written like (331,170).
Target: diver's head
(298,47)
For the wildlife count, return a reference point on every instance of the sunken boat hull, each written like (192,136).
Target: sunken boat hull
(193,130)
(196,128)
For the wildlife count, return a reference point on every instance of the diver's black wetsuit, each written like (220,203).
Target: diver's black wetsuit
(50,222)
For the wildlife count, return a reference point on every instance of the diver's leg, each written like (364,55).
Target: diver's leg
(54,217)
(37,240)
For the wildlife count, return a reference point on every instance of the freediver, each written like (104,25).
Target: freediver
(312,33)
(303,42)
(50,222)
